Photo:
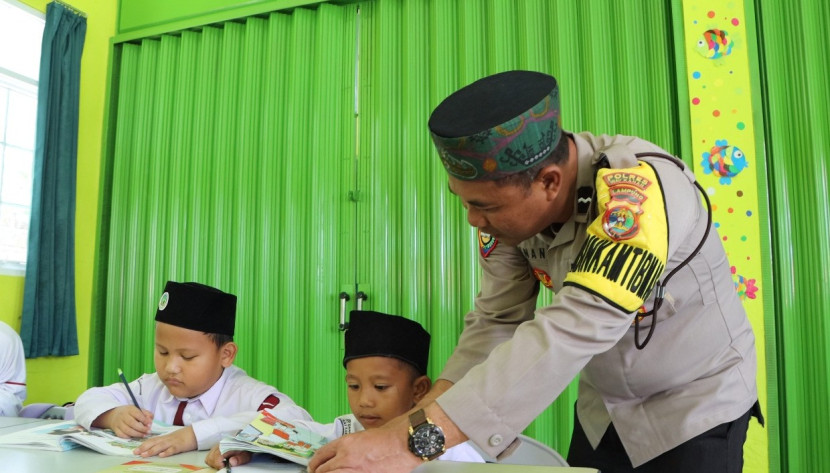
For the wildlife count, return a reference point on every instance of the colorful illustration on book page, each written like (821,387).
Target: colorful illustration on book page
(295,443)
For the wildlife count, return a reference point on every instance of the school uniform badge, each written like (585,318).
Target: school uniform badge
(165,298)
(626,248)
(486,243)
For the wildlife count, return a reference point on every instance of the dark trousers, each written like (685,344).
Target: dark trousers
(719,450)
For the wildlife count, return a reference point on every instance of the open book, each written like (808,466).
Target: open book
(268,434)
(149,466)
(66,435)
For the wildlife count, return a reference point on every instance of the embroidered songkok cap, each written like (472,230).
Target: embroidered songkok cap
(497,126)
(377,334)
(196,306)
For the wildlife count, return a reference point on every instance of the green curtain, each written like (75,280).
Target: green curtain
(48,326)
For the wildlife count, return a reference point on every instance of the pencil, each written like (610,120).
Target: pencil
(127,385)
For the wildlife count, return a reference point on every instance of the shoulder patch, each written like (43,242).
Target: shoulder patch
(543,277)
(486,243)
(626,193)
(626,248)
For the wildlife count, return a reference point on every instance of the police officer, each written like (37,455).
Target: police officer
(645,308)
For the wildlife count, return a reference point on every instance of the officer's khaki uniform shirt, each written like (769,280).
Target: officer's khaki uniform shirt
(696,372)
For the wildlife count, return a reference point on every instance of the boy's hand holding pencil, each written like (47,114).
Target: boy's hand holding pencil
(126,421)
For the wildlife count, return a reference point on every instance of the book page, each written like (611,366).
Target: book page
(105,441)
(268,434)
(52,436)
(148,466)
(65,435)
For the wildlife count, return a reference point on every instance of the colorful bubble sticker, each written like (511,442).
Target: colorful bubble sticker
(715,44)
(724,160)
(744,286)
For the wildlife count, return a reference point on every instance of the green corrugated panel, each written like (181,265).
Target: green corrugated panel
(232,148)
(296,192)
(248,106)
(116,324)
(331,138)
(797,124)
(130,227)
(417,254)
(269,211)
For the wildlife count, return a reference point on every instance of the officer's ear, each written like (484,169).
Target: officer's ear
(550,179)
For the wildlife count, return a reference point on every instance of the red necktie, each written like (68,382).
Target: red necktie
(178,419)
(269,402)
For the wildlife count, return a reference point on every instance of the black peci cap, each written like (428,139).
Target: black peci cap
(196,306)
(377,334)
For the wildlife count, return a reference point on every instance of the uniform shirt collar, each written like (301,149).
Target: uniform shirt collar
(585,175)
(583,199)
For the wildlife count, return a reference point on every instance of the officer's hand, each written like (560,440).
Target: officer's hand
(376,450)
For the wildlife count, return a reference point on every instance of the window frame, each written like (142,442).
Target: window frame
(14,82)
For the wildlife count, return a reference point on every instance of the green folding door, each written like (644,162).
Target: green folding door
(285,158)
(230,164)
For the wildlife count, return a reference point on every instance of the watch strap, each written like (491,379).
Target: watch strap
(417,418)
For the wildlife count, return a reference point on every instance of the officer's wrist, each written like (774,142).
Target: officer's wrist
(452,434)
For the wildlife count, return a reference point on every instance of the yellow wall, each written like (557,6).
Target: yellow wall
(61,379)
(722,122)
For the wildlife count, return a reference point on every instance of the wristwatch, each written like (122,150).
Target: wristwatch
(426,440)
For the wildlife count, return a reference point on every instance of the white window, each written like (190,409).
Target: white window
(21,33)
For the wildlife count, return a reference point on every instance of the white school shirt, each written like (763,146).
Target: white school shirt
(348,424)
(12,372)
(223,409)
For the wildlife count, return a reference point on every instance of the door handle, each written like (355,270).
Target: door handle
(343,299)
(361,296)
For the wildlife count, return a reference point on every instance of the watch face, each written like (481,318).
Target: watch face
(427,440)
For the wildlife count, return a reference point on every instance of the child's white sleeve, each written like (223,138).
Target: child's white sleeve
(95,401)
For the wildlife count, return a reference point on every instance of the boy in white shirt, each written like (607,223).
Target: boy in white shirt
(386,363)
(195,384)
(12,372)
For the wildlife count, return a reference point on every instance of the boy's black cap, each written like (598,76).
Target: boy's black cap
(196,306)
(377,334)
